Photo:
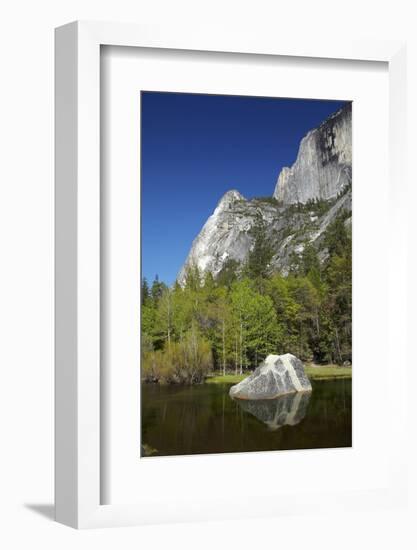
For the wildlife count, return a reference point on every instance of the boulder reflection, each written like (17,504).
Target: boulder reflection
(287,410)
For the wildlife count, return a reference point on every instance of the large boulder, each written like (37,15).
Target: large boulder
(277,375)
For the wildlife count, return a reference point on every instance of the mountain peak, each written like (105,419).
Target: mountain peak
(323,170)
(228,199)
(323,167)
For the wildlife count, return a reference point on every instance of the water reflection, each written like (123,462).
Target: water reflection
(287,410)
(202,419)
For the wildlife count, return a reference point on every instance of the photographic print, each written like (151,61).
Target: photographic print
(246,274)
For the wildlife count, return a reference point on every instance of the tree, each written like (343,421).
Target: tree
(240,297)
(261,253)
(165,315)
(229,273)
(148,320)
(242,315)
(219,311)
(337,239)
(311,267)
(157,289)
(263,331)
(209,284)
(181,312)
(145,293)
(193,278)
(306,325)
(340,305)
(287,309)
(255,323)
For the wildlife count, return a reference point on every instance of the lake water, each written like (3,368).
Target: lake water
(178,420)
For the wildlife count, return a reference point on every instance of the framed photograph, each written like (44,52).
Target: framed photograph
(267,281)
(226,308)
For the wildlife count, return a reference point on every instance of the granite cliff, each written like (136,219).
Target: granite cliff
(307,198)
(324,162)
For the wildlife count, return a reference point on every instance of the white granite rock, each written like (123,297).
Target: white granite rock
(224,236)
(277,375)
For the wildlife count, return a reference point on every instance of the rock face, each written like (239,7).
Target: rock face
(287,410)
(224,236)
(277,375)
(324,162)
(323,170)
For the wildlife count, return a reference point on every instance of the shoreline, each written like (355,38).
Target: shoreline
(314,372)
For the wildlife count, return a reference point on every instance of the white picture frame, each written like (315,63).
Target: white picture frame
(78,404)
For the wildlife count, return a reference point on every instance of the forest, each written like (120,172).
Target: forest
(230,323)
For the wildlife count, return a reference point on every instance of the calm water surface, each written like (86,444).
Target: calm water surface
(178,420)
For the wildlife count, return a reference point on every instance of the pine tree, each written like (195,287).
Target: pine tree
(165,314)
(145,293)
(157,289)
(261,253)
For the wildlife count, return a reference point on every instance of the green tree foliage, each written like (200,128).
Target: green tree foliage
(261,254)
(145,292)
(255,323)
(311,267)
(185,362)
(232,322)
(268,200)
(193,278)
(338,238)
(229,273)
(157,289)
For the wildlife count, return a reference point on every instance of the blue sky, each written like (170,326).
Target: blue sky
(196,147)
